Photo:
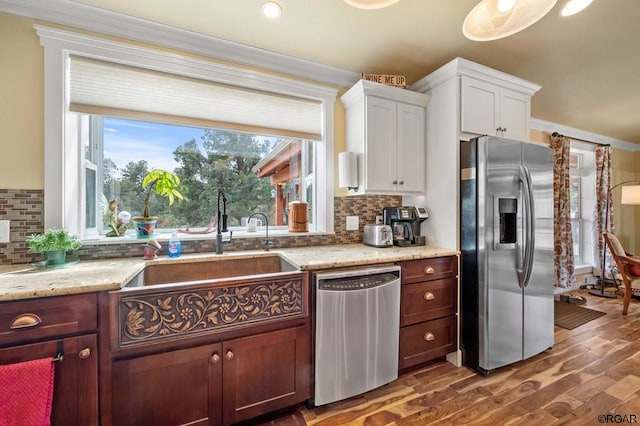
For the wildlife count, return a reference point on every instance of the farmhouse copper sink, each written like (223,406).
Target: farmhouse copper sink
(175,299)
(166,272)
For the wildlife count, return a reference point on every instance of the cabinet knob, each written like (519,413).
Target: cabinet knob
(85,353)
(229,355)
(25,321)
(429,296)
(215,357)
(429,336)
(429,270)
(395,182)
(401,182)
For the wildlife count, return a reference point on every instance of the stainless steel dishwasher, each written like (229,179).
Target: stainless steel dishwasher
(357,326)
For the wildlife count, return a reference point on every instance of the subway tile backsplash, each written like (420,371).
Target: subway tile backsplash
(24,208)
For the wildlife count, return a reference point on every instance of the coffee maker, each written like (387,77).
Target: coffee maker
(405,224)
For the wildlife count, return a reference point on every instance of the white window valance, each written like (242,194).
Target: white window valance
(107,88)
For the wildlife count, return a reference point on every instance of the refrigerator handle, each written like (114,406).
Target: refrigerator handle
(524,274)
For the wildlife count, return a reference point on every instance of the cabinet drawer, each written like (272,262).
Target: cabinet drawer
(47,317)
(429,269)
(427,341)
(428,300)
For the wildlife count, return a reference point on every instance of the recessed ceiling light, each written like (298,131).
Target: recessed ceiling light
(370,4)
(271,10)
(574,6)
(494,19)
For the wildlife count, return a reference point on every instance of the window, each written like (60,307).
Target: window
(102,83)
(582,187)
(259,173)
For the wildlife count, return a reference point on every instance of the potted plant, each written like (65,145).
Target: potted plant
(54,244)
(165,184)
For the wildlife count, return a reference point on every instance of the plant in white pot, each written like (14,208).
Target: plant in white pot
(54,244)
(166,185)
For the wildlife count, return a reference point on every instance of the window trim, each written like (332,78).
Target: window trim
(62,159)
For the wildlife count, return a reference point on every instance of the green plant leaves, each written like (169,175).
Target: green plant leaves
(165,183)
(53,239)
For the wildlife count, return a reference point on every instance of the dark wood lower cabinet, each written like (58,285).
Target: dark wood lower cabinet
(173,388)
(75,383)
(426,341)
(264,373)
(428,310)
(216,384)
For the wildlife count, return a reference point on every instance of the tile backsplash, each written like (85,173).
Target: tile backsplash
(24,208)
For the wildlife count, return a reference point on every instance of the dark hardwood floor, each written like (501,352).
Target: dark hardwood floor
(592,370)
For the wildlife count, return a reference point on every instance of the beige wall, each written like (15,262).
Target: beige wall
(21,105)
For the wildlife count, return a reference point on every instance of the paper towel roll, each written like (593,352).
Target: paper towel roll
(348,170)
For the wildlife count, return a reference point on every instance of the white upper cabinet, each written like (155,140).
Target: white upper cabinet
(385,126)
(488,109)
(466,100)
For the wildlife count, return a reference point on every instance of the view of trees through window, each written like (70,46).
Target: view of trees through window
(257,173)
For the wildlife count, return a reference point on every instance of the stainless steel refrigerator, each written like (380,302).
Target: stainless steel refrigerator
(506,292)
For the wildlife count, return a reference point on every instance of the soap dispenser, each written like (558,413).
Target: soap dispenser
(174,249)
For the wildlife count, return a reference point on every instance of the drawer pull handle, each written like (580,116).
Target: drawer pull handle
(429,296)
(85,353)
(429,270)
(229,355)
(429,336)
(215,357)
(25,321)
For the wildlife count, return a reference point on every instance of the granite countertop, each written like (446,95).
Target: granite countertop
(27,281)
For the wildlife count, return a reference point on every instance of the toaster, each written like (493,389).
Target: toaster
(378,235)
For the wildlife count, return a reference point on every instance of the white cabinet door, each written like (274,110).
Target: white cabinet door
(411,158)
(487,109)
(380,145)
(479,107)
(386,127)
(515,110)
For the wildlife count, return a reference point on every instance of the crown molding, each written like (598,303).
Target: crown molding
(572,132)
(464,67)
(364,87)
(102,21)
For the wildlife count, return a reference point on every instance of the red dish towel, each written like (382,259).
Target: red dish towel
(26,392)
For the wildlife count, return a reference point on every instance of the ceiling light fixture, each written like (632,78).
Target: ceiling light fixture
(506,5)
(574,6)
(370,4)
(494,19)
(271,10)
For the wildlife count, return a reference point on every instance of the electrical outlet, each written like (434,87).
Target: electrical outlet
(4,231)
(352,223)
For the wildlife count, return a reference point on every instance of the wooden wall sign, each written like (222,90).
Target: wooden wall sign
(389,80)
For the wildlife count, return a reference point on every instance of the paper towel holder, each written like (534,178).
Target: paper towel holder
(348,170)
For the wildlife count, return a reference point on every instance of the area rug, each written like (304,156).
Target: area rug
(570,315)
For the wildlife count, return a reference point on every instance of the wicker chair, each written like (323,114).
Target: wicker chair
(628,266)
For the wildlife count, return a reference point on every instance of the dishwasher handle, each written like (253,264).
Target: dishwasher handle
(357,279)
(358,272)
